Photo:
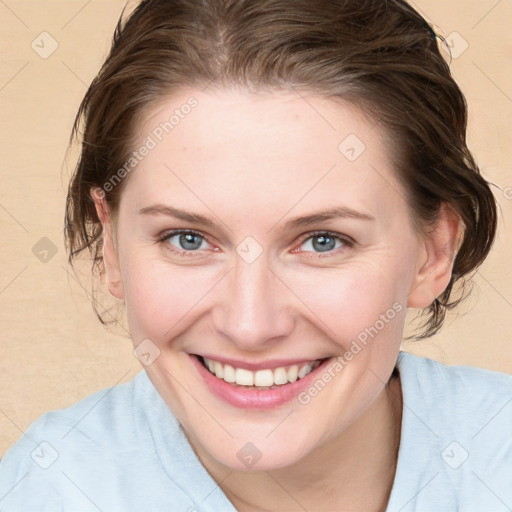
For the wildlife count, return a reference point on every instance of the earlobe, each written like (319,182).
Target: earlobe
(436,259)
(110,256)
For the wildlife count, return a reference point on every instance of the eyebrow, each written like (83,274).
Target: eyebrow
(162,209)
(304,220)
(341,212)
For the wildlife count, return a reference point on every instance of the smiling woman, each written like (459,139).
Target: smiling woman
(267,187)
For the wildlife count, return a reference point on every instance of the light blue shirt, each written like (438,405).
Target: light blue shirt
(122,449)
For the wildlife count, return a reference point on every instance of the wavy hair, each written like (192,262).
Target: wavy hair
(380,55)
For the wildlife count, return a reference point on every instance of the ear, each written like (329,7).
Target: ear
(435,259)
(110,256)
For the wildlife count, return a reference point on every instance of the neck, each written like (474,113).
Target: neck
(342,471)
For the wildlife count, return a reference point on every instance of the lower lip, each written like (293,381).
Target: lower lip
(250,398)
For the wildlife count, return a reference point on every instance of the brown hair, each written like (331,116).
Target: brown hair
(378,54)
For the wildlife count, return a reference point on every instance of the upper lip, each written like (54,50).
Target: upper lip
(260,365)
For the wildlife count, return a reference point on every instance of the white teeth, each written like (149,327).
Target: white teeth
(260,378)
(292,373)
(280,376)
(219,369)
(264,378)
(229,373)
(244,377)
(304,370)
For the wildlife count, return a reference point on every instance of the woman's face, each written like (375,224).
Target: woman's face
(264,233)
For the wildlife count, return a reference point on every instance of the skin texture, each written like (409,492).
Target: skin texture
(250,163)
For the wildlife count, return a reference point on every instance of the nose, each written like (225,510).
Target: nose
(254,309)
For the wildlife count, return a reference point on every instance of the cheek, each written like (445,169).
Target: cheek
(349,300)
(162,299)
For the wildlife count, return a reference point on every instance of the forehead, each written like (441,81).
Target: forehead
(280,122)
(266,150)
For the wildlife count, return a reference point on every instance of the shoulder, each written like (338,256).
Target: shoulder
(461,399)
(456,436)
(85,437)
(464,388)
(118,449)
(97,417)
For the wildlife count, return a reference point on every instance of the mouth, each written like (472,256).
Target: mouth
(262,386)
(267,378)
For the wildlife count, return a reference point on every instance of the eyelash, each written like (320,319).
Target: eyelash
(344,239)
(347,242)
(169,234)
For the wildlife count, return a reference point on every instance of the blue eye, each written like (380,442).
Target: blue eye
(323,242)
(185,241)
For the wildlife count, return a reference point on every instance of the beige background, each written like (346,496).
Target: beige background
(53,351)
